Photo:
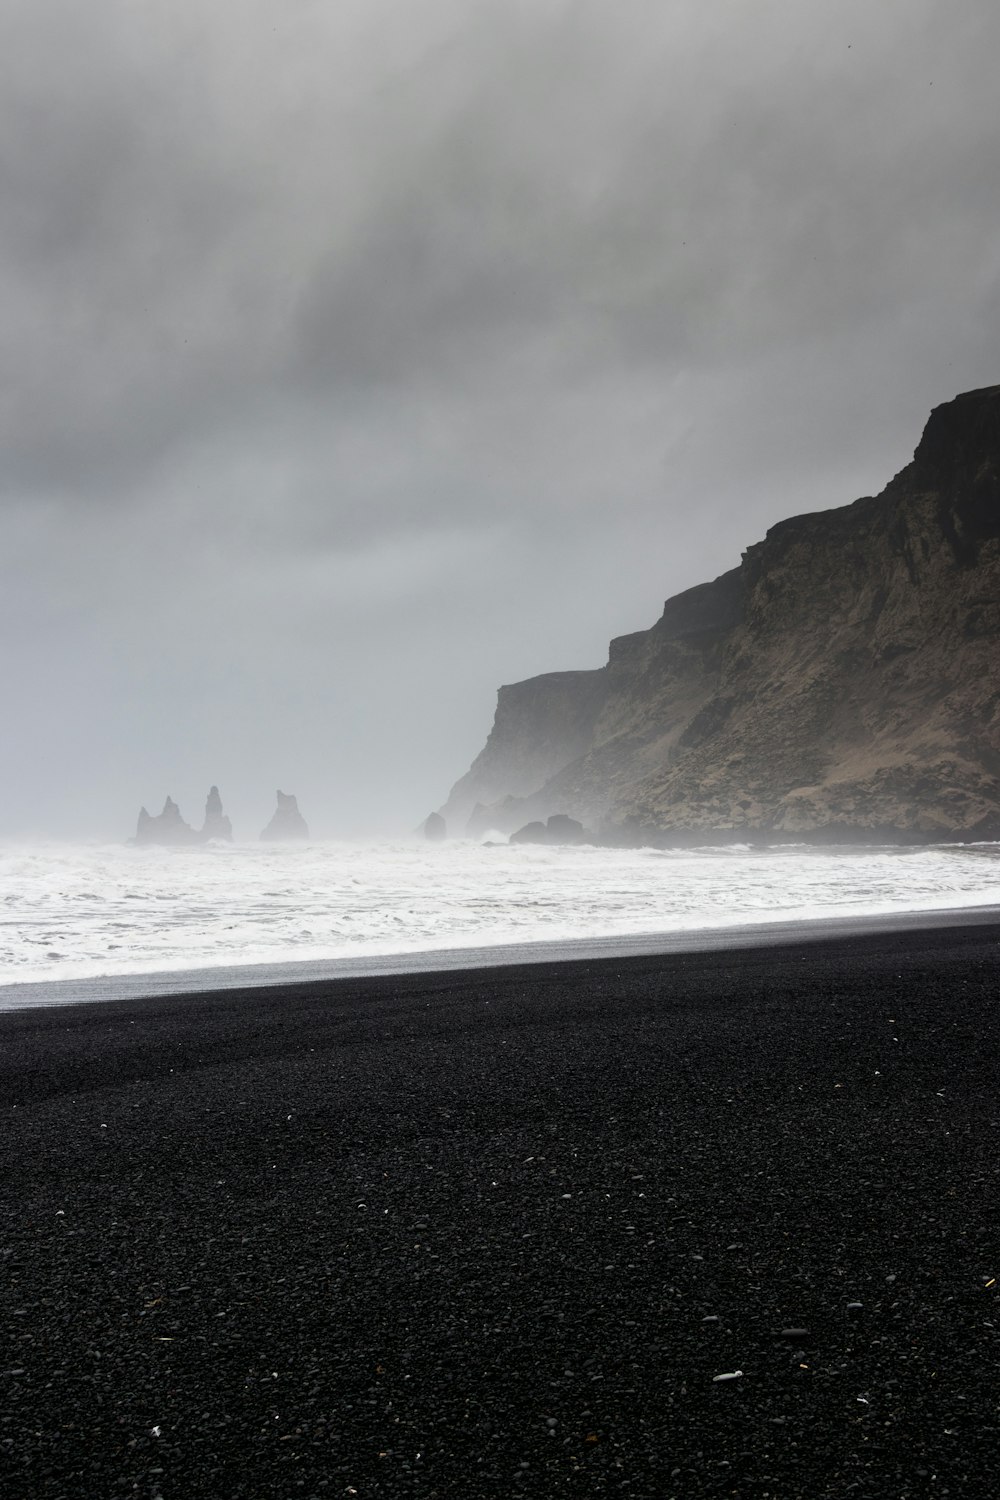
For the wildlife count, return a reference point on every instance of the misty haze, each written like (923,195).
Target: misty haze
(363,358)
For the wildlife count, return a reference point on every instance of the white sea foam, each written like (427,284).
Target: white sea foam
(76,912)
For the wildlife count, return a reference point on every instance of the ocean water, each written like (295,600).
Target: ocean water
(85,912)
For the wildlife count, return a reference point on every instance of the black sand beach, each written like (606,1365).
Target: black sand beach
(496,1233)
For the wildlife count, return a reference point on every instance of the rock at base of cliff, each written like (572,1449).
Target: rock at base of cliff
(435,828)
(216,825)
(480,821)
(531,833)
(565,830)
(287,823)
(168,827)
(560,829)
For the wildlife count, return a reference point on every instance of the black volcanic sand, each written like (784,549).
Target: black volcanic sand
(495,1233)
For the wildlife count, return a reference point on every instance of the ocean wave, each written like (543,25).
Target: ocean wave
(93,910)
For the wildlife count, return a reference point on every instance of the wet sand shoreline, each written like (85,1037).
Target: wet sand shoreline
(495,1232)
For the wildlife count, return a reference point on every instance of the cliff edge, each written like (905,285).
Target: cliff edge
(842,683)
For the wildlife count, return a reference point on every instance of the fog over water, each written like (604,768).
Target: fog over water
(358,358)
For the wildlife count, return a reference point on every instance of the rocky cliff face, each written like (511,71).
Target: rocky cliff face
(843,682)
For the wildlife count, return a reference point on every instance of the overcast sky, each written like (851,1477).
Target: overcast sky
(361,355)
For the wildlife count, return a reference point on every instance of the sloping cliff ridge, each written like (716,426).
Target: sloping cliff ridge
(842,683)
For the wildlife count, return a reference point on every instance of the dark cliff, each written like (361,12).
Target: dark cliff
(843,682)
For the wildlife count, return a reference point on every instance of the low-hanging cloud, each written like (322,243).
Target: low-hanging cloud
(359,357)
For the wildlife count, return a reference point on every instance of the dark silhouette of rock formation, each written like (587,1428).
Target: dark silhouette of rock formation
(435,827)
(563,829)
(168,827)
(534,832)
(559,829)
(287,822)
(216,825)
(842,683)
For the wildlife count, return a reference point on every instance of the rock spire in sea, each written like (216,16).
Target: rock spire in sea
(216,825)
(168,827)
(287,822)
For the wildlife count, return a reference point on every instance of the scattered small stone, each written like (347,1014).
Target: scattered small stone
(727,1375)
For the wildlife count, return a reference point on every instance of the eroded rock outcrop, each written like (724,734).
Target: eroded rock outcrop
(843,682)
(435,828)
(534,832)
(558,829)
(167,827)
(216,825)
(287,822)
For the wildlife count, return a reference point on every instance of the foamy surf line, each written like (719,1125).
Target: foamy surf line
(30,994)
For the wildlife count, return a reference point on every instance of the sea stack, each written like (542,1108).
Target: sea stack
(287,823)
(217,825)
(168,827)
(435,828)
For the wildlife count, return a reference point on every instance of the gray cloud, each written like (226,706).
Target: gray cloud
(359,357)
